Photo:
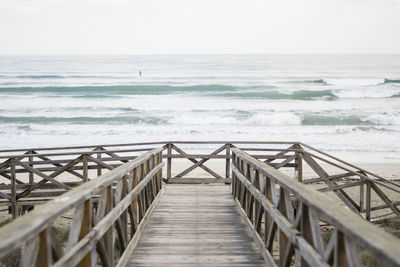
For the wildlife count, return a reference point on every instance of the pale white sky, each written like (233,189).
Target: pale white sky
(199,26)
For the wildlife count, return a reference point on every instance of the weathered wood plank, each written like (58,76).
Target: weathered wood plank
(190,226)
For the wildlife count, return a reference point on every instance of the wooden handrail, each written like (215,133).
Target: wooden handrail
(342,161)
(124,207)
(90,152)
(294,212)
(148,143)
(54,161)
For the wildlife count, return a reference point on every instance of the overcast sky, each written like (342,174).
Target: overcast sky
(199,26)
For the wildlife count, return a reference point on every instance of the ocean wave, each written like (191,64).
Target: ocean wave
(317,81)
(321,81)
(273,94)
(152,120)
(64,76)
(375,129)
(258,119)
(370,121)
(357,82)
(284,119)
(95,96)
(216,90)
(333,120)
(289,119)
(385,119)
(392,81)
(349,81)
(47,76)
(353,82)
(233,117)
(368,93)
(121,89)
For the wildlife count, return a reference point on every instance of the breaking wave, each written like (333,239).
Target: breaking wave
(392,81)
(358,82)
(233,117)
(85,120)
(332,120)
(119,89)
(273,94)
(249,92)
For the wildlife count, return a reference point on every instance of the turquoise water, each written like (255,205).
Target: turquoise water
(334,102)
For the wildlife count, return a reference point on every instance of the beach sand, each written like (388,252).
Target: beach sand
(390,171)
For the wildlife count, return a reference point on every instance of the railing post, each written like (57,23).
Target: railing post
(99,169)
(14,208)
(109,235)
(362,197)
(44,257)
(135,200)
(227,164)
(159,174)
(31,180)
(85,167)
(368,201)
(300,167)
(298,171)
(85,229)
(169,162)
(362,192)
(233,184)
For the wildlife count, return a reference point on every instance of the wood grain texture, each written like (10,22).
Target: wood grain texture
(196,225)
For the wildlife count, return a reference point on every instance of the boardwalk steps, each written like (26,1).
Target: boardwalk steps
(196,225)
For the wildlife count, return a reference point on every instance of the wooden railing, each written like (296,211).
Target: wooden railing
(119,201)
(286,217)
(262,150)
(36,175)
(371,201)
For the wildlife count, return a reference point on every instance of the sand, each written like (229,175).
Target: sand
(390,171)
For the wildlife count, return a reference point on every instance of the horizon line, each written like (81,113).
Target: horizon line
(201,53)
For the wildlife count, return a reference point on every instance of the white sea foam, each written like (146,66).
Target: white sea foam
(353,82)
(385,119)
(284,118)
(374,92)
(259,119)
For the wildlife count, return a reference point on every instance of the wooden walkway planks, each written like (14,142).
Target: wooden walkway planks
(196,225)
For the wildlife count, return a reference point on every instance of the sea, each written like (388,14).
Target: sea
(338,103)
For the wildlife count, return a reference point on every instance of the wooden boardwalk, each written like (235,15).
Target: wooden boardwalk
(126,216)
(196,225)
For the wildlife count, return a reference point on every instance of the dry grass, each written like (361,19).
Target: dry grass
(13,258)
(391,225)
(367,259)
